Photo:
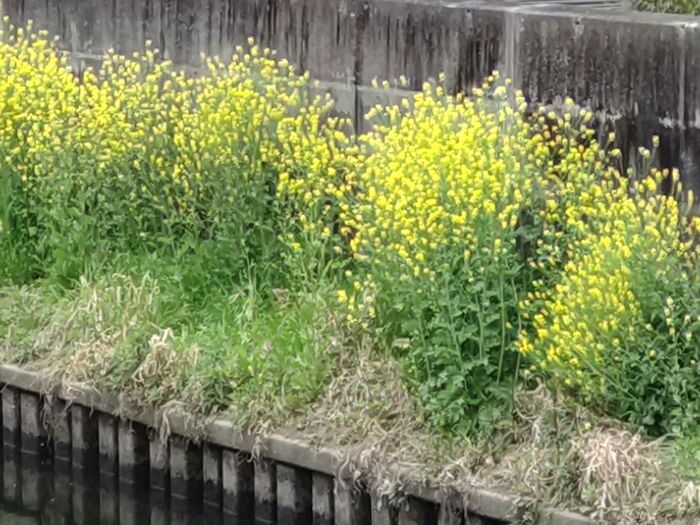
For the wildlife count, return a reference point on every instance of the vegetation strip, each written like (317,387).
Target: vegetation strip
(479,288)
(288,449)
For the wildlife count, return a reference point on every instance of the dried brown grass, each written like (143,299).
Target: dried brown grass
(556,454)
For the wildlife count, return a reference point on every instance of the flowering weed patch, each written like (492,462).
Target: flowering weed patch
(223,242)
(620,325)
(441,196)
(219,192)
(138,158)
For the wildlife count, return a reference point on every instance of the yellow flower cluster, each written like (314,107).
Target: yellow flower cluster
(38,101)
(617,244)
(147,151)
(451,173)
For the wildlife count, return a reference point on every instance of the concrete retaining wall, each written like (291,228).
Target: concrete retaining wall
(639,71)
(291,481)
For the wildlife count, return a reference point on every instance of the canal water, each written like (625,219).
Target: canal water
(39,491)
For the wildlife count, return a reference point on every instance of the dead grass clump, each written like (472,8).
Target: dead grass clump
(163,374)
(567,457)
(367,410)
(557,453)
(91,324)
(369,413)
(622,473)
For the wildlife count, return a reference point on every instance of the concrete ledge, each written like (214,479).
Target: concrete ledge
(289,449)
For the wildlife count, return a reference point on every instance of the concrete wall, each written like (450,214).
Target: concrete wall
(639,71)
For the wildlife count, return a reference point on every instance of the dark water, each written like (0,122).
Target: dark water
(40,491)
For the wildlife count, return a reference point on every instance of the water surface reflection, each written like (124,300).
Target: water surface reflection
(37,491)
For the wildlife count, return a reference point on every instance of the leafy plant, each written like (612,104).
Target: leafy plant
(619,326)
(670,6)
(441,225)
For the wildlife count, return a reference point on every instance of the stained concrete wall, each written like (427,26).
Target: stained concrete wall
(639,71)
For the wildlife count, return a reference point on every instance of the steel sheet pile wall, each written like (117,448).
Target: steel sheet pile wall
(214,466)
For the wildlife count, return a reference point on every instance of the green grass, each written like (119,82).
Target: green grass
(691,7)
(168,330)
(686,452)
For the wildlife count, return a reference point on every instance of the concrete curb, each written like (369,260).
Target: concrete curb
(291,450)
